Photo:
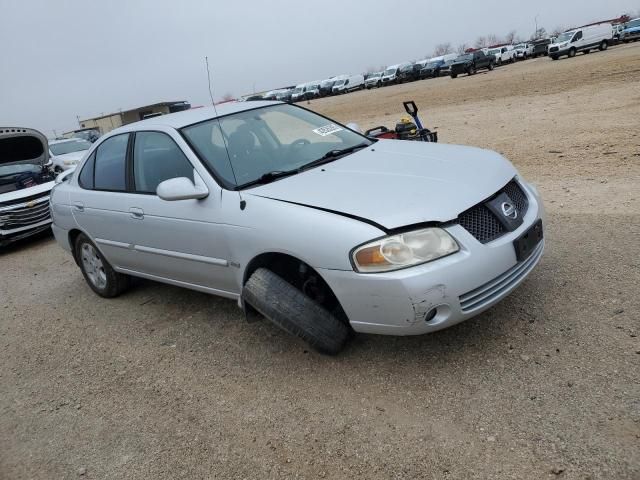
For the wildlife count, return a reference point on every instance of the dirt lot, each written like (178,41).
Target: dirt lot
(168,383)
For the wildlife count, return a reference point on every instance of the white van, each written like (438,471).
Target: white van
(349,84)
(582,39)
(390,75)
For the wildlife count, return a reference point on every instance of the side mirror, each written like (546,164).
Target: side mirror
(354,126)
(64,176)
(181,188)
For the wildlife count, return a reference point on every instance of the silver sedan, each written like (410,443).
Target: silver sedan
(318,228)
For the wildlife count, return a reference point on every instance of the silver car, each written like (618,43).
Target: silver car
(318,228)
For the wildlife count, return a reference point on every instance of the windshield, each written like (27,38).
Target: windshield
(242,147)
(390,71)
(520,46)
(338,83)
(375,75)
(565,37)
(633,23)
(69,147)
(464,58)
(494,51)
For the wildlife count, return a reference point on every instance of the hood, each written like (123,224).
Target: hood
(397,183)
(77,156)
(19,146)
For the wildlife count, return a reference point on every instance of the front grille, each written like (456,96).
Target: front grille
(32,210)
(497,288)
(554,49)
(480,222)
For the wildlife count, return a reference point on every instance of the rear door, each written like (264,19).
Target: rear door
(100,206)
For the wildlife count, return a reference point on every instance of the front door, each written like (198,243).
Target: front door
(183,241)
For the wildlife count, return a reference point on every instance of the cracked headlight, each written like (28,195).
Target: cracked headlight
(403,250)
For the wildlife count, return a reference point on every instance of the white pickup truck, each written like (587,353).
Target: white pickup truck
(504,54)
(524,51)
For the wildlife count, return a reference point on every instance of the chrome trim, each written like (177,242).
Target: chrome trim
(183,256)
(111,243)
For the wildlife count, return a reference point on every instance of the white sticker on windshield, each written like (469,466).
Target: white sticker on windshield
(327,130)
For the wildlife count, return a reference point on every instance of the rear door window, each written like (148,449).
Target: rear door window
(86,175)
(110,164)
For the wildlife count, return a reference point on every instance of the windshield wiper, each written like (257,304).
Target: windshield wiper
(332,155)
(269,177)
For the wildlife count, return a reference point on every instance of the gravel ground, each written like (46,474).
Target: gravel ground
(168,383)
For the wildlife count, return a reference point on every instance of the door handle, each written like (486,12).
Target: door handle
(136,213)
(78,206)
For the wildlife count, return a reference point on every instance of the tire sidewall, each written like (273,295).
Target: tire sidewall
(111,288)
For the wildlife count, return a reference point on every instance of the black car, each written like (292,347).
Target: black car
(540,47)
(470,63)
(432,69)
(409,73)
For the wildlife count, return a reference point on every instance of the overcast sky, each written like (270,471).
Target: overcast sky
(63,58)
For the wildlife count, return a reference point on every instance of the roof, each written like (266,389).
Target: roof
(189,117)
(120,112)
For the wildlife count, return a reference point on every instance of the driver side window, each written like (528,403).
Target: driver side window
(578,36)
(157,158)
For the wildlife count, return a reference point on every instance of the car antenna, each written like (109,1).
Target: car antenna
(243,203)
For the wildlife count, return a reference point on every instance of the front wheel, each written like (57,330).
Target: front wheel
(294,312)
(97,272)
(554,57)
(454,75)
(603,45)
(472,70)
(490,67)
(572,53)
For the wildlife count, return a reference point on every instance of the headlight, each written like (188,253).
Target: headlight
(403,250)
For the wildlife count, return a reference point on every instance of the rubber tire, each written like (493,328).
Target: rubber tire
(472,71)
(116,282)
(603,45)
(500,62)
(572,52)
(294,312)
(490,67)
(554,57)
(454,75)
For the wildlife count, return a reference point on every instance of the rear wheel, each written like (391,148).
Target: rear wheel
(572,52)
(603,45)
(98,273)
(294,312)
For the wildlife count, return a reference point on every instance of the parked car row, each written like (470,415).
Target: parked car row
(584,39)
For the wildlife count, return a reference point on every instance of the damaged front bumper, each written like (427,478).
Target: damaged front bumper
(437,295)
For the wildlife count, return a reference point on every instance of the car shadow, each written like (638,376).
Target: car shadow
(33,242)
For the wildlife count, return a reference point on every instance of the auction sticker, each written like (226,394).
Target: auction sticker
(327,130)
